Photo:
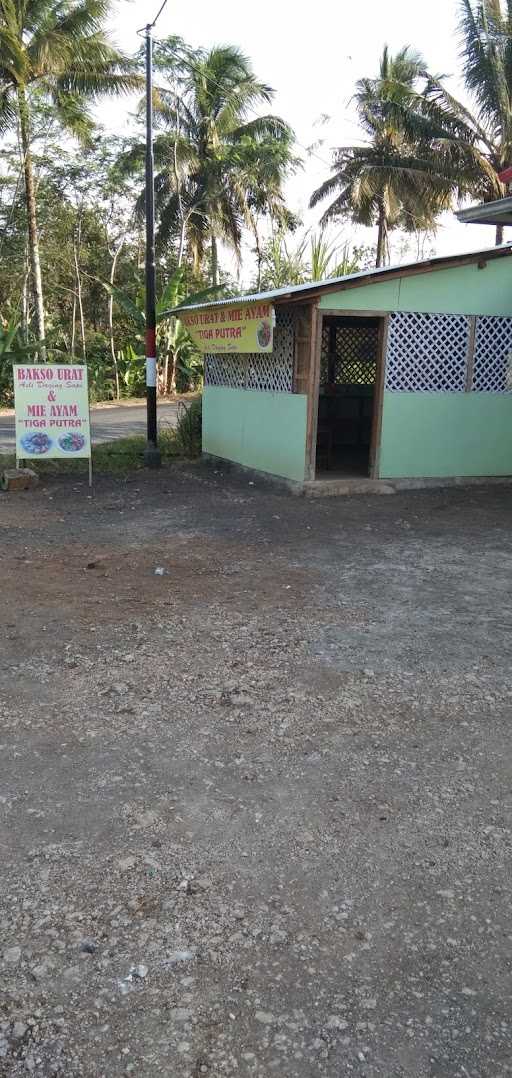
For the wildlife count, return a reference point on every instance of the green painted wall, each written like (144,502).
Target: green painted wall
(266,431)
(446,434)
(459,290)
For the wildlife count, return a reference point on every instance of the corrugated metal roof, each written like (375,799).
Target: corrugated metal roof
(498,212)
(354,278)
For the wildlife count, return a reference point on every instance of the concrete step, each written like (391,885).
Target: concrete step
(322,488)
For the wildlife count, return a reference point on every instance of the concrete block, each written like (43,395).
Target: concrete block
(18,479)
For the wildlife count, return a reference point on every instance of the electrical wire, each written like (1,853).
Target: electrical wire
(151,25)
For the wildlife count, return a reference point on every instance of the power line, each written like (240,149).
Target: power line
(151,25)
(155,20)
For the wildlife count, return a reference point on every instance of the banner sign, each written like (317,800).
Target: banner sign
(247,327)
(51,403)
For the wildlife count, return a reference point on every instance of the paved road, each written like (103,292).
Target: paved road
(107,424)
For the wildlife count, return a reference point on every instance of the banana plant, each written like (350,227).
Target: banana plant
(175,347)
(11,351)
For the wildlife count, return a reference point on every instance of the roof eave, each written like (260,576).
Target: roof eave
(498,212)
(308,294)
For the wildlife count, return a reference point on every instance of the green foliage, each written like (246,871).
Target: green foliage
(11,351)
(189,427)
(112,458)
(63,49)
(180,364)
(393,180)
(133,371)
(313,258)
(219,164)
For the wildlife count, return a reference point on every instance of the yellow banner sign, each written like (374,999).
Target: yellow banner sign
(243,327)
(52,411)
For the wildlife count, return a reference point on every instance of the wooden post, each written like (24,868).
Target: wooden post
(378,399)
(313,390)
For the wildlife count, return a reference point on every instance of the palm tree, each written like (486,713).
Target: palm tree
(393,180)
(484,130)
(218,165)
(57,51)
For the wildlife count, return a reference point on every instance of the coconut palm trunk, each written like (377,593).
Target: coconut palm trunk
(33,236)
(382,235)
(215,260)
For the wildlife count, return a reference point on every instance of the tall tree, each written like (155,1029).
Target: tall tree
(392,180)
(218,164)
(59,50)
(482,131)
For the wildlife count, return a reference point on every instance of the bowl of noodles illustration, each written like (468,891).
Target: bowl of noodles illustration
(71,443)
(264,334)
(36,443)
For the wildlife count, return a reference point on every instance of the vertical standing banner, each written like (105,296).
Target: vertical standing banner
(51,403)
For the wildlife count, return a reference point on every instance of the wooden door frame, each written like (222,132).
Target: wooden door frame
(313,390)
(318,315)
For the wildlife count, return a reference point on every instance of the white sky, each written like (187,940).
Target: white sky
(312,55)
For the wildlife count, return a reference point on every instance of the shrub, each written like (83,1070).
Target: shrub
(189,427)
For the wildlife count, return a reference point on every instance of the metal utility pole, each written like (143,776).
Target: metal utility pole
(152,456)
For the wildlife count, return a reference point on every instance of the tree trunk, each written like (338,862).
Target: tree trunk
(215,261)
(381,236)
(76,255)
(181,248)
(499,235)
(73,328)
(115,364)
(25,304)
(259,253)
(33,237)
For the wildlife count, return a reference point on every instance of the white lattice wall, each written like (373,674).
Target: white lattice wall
(493,348)
(270,372)
(437,352)
(225,371)
(427,352)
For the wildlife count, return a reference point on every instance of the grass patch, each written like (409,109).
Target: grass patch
(112,458)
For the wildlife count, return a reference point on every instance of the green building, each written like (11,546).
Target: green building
(391,374)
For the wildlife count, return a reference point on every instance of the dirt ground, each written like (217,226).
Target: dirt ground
(256,808)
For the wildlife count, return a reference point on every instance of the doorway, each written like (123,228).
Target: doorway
(351,346)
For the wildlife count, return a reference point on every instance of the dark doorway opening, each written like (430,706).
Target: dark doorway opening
(348,376)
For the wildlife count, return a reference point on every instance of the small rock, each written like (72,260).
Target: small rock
(126,863)
(181,1014)
(88,947)
(336,1023)
(18,1030)
(42,969)
(179,956)
(265,1017)
(12,956)
(204,882)
(139,971)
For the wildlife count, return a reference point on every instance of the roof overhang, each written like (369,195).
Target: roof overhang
(488,213)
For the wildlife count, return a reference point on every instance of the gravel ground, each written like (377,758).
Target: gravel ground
(256,807)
